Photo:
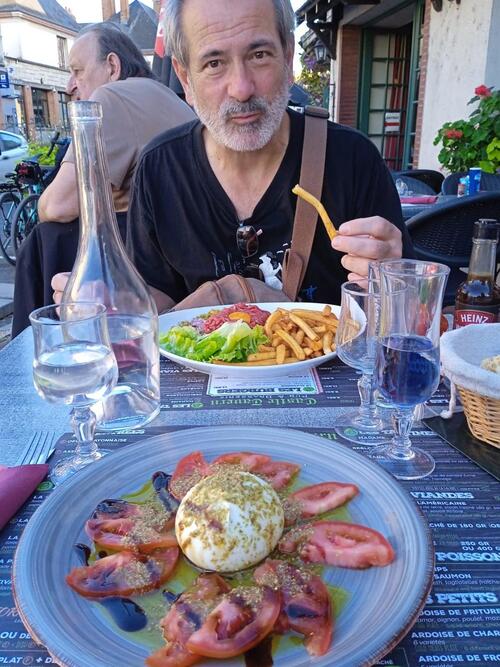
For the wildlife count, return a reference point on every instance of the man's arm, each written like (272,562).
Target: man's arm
(59,202)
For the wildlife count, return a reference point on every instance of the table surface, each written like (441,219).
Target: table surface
(409,210)
(461,621)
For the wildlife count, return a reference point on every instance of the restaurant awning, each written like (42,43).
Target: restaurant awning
(323,17)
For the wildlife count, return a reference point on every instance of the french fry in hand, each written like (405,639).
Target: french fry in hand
(325,218)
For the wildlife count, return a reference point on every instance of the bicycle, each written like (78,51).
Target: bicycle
(19,198)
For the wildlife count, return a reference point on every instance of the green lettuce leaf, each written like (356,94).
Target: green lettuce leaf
(233,341)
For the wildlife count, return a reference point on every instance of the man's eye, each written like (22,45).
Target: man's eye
(259,55)
(213,64)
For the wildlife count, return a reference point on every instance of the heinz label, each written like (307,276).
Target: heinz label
(473,316)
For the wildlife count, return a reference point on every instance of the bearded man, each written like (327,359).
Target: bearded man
(198,186)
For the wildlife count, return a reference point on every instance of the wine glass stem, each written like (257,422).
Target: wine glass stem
(400,447)
(83,423)
(367,407)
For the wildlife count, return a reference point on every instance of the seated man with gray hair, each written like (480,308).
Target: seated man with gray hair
(105,66)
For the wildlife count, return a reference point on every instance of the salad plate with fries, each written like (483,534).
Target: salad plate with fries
(251,340)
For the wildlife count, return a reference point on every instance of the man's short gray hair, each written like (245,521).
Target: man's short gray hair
(175,40)
(111,39)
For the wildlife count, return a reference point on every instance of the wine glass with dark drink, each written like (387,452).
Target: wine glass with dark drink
(407,358)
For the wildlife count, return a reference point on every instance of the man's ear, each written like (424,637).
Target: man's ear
(114,66)
(182,75)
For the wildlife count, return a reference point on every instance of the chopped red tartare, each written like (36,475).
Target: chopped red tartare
(252,315)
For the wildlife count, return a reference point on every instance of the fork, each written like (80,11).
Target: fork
(39,449)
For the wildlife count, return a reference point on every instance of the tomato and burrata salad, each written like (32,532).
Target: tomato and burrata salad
(222,517)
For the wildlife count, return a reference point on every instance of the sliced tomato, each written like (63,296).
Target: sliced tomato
(278,473)
(119,525)
(306,604)
(189,611)
(317,499)
(172,655)
(338,543)
(124,573)
(188,472)
(238,623)
(246,460)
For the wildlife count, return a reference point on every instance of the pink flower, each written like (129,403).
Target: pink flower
(453,134)
(482,91)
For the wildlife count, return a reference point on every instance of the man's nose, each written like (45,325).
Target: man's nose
(71,86)
(241,84)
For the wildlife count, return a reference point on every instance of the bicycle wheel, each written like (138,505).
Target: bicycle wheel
(9,201)
(25,219)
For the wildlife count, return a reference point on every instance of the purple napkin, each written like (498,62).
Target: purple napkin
(16,486)
(420,199)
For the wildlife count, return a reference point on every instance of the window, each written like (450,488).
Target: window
(40,107)
(62,52)
(9,142)
(63,109)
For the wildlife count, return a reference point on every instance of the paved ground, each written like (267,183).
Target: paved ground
(7,273)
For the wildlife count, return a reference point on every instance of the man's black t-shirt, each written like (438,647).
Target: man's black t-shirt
(182,225)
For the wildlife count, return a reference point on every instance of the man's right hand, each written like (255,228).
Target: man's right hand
(58,284)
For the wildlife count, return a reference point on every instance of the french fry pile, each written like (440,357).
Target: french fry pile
(294,335)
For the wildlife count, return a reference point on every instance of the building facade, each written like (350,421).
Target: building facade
(404,67)
(36,36)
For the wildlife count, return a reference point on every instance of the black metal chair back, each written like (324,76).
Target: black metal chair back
(430,177)
(444,233)
(489,182)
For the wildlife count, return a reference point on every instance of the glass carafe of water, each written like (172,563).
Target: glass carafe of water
(103,273)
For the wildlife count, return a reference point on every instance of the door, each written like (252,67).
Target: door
(389,89)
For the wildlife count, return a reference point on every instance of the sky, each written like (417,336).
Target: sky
(87,11)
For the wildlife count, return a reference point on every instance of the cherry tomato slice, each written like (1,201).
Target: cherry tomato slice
(306,604)
(338,543)
(124,573)
(188,472)
(278,473)
(318,499)
(238,623)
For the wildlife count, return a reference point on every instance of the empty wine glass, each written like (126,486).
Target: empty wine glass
(355,345)
(407,359)
(74,364)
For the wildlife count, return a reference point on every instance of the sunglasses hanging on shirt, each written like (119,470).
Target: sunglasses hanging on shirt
(247,240)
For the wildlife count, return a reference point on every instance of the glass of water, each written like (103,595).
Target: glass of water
(355,344)
(74,364)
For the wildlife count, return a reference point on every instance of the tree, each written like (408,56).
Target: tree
(315,78)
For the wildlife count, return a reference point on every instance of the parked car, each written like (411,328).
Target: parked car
(13,147)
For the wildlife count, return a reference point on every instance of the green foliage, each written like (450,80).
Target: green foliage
(34,148)
(315,78)
(473,142)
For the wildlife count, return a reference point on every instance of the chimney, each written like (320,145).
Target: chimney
(157,6)
(108,9)
(124,13)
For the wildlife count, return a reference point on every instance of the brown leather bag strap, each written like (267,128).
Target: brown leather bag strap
(311,179)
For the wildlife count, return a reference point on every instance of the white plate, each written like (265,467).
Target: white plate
(382,602)
(171,319)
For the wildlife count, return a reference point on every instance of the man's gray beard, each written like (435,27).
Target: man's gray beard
(249,137)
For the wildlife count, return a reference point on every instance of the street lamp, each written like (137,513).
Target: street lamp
(320,52)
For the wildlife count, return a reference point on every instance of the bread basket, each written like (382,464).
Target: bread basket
(462,352)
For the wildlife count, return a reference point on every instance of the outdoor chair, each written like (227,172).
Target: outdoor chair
(414,186)
(489,182)
(444,234)
(430,177)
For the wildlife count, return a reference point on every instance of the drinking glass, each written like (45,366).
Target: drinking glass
(74,364)
(355,345)
(407,358)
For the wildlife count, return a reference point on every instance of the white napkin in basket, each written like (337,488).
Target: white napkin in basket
(462,352)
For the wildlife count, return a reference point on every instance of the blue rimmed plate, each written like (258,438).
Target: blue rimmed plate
(382,604)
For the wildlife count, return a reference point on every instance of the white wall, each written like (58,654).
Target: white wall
(29,41)
(464,53)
